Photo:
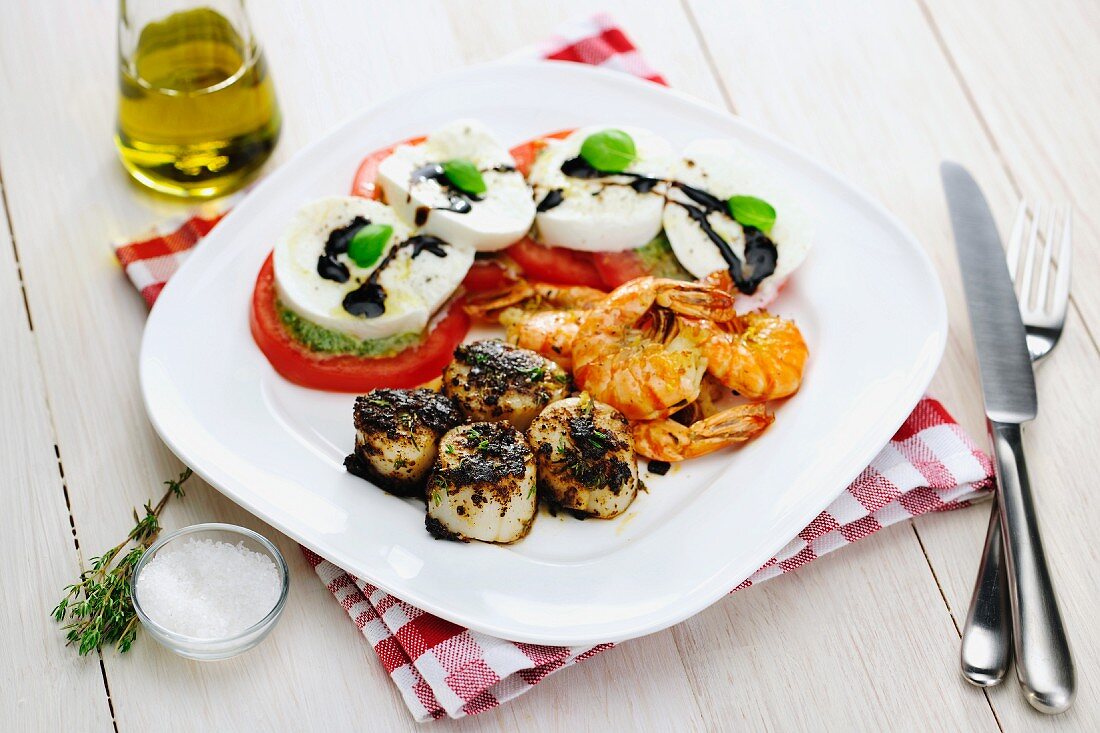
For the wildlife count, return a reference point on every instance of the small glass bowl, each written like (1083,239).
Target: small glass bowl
(218,648)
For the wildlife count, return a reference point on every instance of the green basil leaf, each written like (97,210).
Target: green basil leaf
(368,244)
(610,151)
(753,212)
(464,175)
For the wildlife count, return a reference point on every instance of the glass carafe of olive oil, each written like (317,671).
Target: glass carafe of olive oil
(197,114)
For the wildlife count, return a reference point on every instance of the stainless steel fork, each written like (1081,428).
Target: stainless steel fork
(986,650)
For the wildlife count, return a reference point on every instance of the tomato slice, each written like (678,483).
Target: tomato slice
(296,363)
(556,265)
(365,182)
(486,276)
(616,268)
(525,153)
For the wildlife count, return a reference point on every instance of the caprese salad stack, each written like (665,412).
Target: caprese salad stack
(363,291)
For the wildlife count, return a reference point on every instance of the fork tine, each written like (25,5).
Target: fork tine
(1029,257)
(1060,300)
(1015,239)
(1044,288)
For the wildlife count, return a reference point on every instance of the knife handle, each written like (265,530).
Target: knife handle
(1044,666)
(986,650)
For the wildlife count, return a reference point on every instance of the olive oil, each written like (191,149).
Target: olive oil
(197,114)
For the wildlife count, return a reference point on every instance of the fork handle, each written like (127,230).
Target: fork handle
(1044,666)
(986,650)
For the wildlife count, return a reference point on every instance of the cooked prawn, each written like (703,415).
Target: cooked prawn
(549,333)
(711,393)
(532,297)
(629,352)
(668,440)
(538,316)
(758,355)
(720,279)
(761,298)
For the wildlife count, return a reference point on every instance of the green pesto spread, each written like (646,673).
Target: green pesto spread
(326,341)
(659,260)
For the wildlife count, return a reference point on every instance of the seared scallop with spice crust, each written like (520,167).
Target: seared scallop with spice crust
(483,485)
(491,380)
(585,456)
(397,434)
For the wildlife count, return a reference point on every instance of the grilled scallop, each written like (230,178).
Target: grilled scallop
(585,457)
(397,434)
(493,381)
(483,485)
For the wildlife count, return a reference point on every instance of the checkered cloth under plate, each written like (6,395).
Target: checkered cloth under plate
(444,669)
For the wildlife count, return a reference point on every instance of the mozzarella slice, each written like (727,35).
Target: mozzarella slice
(605,214)
(724,169)
(495,219)
(416,285)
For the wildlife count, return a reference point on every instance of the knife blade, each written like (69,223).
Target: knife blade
(1044,664)
(1008,382)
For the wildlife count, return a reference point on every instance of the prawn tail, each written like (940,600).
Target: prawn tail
(488,306)
(662,440)
(696,300)
(734,425)
(668,440)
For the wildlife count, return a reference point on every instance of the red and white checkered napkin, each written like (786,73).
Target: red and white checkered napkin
(445,669)
(441,668)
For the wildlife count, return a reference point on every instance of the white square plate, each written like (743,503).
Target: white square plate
(867,300)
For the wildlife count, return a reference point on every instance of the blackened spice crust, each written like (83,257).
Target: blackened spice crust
(591,459)
(356,466)
(407,420)
(496,367)
(492,380)
(591,441)
(439,530)
(659,467)
(585,453)
(496,451)
(396,411)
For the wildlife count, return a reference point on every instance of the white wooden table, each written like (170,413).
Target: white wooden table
(865,639)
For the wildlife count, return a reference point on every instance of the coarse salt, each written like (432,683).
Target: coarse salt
(207,589)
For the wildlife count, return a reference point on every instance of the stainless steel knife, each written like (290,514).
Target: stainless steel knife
(1044,665)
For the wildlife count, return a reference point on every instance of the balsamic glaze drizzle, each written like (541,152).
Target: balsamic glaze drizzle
(578,167)
(761,254)
(337,243)
(369,299)
(458,200)
(550,200)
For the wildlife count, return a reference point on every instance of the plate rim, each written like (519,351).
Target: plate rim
(671,613)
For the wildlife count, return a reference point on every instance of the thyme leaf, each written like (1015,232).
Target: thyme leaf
(97,608)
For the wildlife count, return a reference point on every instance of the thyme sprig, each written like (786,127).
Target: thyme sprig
(98,606)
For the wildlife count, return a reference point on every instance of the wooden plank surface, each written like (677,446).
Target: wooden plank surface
(851,641)
(1026,69)
(770,59)
(1031,72)
(36,540)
